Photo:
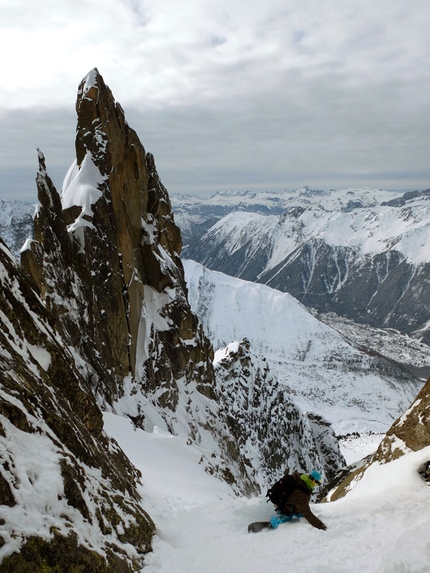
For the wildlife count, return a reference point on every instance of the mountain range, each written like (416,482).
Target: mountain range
(357,253)
(357,389)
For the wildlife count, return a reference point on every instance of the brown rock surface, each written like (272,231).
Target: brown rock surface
(410,432)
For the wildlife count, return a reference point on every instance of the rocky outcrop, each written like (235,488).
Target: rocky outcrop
(272,433)
(116,333)
(65,487)
(106,262)
(411,432)
(97,318)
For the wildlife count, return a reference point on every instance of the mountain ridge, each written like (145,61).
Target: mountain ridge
(369,263)
(322,370)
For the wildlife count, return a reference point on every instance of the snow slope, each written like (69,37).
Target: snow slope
(323,372)
(381,526)
(359,257)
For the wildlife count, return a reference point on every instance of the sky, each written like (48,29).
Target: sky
(225,94)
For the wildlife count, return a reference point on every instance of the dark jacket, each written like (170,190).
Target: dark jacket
(298,502)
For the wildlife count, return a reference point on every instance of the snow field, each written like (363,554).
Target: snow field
(322,371)
(381,526)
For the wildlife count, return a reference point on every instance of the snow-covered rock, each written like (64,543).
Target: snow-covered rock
(66,489)
(272,433)
(104,323)
(192,212)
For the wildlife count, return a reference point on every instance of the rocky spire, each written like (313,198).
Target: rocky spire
(106,262)
(109,246)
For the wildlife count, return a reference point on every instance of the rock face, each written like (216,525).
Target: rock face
(108,282)
(384,289)
(410,432)
(65,487)
(106,261)
(110,246)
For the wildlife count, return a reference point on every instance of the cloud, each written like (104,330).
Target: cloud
(274,93)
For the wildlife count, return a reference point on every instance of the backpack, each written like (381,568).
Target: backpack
(281,489)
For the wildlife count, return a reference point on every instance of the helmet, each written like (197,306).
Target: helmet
(315,476)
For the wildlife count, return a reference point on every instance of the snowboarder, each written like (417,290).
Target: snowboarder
(296,503)
(291,496)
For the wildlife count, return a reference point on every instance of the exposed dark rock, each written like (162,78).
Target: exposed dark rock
(106,260)
(408,196)
(424,471)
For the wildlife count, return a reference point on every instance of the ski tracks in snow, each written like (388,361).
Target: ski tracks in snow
(360,537)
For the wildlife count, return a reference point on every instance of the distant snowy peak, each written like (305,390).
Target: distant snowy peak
(368,231)
(333,199)
(194,214)
(368,263)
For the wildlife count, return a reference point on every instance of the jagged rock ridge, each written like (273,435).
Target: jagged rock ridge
(270,430)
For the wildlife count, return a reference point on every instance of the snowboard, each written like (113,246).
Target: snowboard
(258,526)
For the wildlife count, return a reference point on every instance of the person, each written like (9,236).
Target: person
(296,504)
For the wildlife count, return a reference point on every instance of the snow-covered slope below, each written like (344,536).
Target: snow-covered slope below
(323,372)
(381,526)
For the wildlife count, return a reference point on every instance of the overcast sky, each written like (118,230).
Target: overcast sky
(227,94)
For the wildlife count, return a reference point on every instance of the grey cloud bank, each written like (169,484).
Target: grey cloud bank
(243,96)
